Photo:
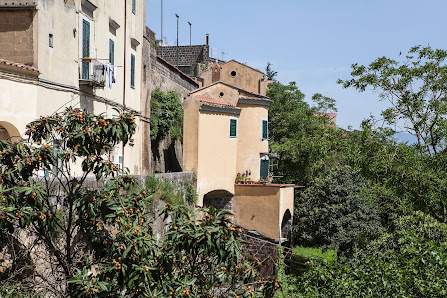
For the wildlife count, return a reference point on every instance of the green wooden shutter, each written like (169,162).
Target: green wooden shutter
(111,52)
(85,49)
(133,6)
(132,70)
(233,128)
(264,129)
(264,169)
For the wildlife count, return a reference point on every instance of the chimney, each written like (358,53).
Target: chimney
(216,73)
(207,39)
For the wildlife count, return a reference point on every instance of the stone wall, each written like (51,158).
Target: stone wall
(16,36)
(196,55)
(167,155)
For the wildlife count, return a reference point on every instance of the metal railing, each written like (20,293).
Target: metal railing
(92,73)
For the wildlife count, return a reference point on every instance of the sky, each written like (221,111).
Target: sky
(313,43)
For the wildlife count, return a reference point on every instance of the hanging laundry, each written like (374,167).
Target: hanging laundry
(114,74)
(110,70)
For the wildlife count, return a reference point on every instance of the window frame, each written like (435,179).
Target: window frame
(262,130)
(134,6)
(111,42)
(132,70)
(229,128)
(86,64)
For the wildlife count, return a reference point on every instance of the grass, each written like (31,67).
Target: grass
(302,254)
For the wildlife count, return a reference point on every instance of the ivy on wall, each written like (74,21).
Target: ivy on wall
(166,115)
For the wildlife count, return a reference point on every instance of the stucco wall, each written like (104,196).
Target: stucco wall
(217,154)
(245,77)
(261,207)
(250,143)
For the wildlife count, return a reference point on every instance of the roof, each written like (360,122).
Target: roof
(207,99)
(233,86)
(19,65)
(243,64)
(178,70)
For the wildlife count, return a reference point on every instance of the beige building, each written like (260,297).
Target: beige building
(226,146)
(81,53)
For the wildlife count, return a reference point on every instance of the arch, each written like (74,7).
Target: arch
(286,227)
(219,199)
(9,132)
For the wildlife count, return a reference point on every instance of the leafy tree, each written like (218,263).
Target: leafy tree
(415,88)
(323,103)
(79,242)
(333,213)
(410,261)
(166,115)
(303,140)
(271,74)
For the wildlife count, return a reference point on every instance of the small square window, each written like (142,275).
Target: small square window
(50,40)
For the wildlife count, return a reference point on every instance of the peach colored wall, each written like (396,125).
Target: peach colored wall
(261,207)
(250,143)
(190,134)
(217,154)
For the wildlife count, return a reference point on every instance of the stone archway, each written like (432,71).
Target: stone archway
(286,228)
(9,132)
(219,199)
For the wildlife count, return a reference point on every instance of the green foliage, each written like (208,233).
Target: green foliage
(411,261)
(333,214)
(270,73)
(196,257)
(166,115)
(104,245)
(323,103)
(162,190)
(330,255)
(416,89)
(303,140)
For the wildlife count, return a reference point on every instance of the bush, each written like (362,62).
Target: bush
(333,214)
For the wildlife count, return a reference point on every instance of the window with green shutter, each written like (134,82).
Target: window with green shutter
(111,52)
(132,70)
(233,128)
(85,49)
(264,169)
(133,6)
(265,126)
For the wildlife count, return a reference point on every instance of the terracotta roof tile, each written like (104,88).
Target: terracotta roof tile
(208,99)
(18,65)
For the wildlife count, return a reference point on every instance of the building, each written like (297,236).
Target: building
(226,146)
(55,54)
(191,60)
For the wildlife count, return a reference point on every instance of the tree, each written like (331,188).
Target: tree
(271,74)
(323,103)
(415,88)
(409,261)
(166,115)
(81,242)
(333,213)
(303,140)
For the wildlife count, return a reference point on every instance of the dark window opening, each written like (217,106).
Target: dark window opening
(233,73)
(221,94)
(50,41)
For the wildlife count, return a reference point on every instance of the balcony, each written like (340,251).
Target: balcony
(93,73)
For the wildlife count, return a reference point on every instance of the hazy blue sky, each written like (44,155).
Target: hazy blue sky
(311,42)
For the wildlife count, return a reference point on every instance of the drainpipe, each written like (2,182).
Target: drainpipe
(124,66)
(260,88)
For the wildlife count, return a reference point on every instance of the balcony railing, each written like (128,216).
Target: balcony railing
(93,73)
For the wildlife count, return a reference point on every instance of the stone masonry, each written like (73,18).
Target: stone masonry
(16,36)
(197,55)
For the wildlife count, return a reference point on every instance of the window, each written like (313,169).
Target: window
(132,70)
(233,73)
(133,6)
(233,128)
(221,94)
(111,52)
(50,40)
(264,168)
(265,133)
(85,48)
